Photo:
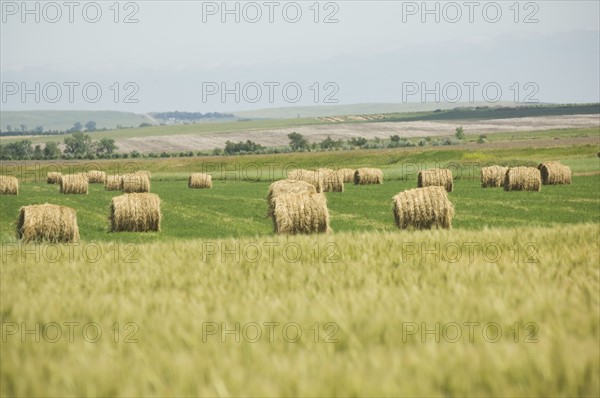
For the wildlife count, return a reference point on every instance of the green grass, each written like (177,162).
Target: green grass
(363,292)
(62,120)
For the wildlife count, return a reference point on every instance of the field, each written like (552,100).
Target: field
(506,303)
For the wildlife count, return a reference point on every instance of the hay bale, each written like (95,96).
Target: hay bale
(493,176)
(553,173)
(310,176)
(523,179)
(96,177)
(367,175)
(283,187)
(73,184)
(333,181)
(9,185)
(136,182)
(145,173)
(347,174)
(300,213)
(113,183)
(423,208)
(53,177)
(135,212)
(200,180)
(436,178)
(50,223)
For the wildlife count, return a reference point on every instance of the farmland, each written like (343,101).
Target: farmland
(180,310)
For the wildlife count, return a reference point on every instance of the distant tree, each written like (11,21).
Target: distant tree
(9,128)
(37,152)
(106,146)
(145,125)
(79,144)
(23,128)
(52,151)
(39,129)
(360,141)
(327,143)
(460,133)
(482,139)
(90,126)
(395,138)
(297,142)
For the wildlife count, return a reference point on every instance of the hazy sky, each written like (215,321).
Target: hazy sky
(183,55)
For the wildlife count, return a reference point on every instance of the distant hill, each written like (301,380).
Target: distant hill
(62,120)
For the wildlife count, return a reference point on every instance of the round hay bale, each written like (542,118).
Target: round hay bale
(53,177)
(300,213)
(49,223)
(333,181)
(347,174)
(136,183)
(73,184)
(367,175)
(554,173)
(283,187)
(436,178)
(135,212)
(113,183)
(523,179)
(423,208)
(310,176)
(96,177)
(200,180)
(493,176)
(9,185)
(144,172)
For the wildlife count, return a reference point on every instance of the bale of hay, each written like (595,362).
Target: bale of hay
(493,176)
(347,174)
(333,181)
(96,177)
(200,180)
(523,179)
(367,175)
(9,185)
(53,177)
(136,183)
(283,187)
(300,213)
(423,208)
(310,176)
(47,223)
(113,183)
(144,172)
(436,178)
(135,212)
(554,173)
(73,184)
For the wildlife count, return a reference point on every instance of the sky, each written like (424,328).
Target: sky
(145,56)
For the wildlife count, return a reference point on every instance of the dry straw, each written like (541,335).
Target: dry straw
(347,174)
(333,181)
(113,183)
(135,212)
(73,184)
(423,208)
(523,179)
(96,177)
(300,213)
(9,185)
(366,175)
(53,177)
(200,180)
(310,176)
(493,176)
(436,178)
(136,183)
(51,223)
(554,173)
(283,187)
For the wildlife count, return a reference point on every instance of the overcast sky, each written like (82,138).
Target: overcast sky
(182,55)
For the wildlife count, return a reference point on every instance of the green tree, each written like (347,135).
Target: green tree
(460,133)
(106,146)
(90,126)
(79,144)
(297,142)
(328,143)
(52,151)
(395,138)
(37,152)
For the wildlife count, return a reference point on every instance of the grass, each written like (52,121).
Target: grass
(379,309)
(369,298)
(62,120)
